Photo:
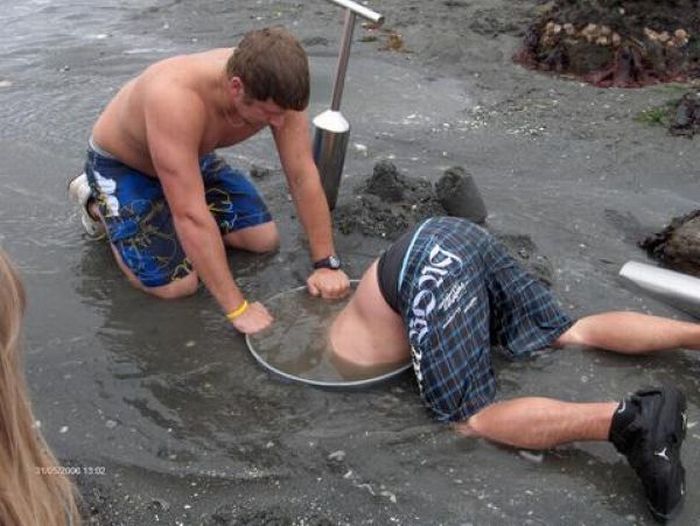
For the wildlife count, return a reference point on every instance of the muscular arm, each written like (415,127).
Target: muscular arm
(175,120)
(294,147)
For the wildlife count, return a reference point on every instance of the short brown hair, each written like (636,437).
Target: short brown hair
(272,65)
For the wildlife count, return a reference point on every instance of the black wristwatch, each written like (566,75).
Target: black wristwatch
(331,262)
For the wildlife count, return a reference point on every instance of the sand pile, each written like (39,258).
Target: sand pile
(389,203)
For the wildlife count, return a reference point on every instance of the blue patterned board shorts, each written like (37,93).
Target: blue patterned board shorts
(460,294)
(138,219)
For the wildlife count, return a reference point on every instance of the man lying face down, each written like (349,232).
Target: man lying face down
(446,292)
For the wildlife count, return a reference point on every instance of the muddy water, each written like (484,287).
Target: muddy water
(298,345)
(165,396)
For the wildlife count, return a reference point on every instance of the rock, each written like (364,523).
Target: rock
(678,245)
(459,195)
(686,118)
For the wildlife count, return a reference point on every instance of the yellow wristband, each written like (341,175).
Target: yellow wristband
(240,310)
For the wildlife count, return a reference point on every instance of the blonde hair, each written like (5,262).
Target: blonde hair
(30,494)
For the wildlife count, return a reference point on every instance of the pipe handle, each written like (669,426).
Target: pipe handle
(361,10)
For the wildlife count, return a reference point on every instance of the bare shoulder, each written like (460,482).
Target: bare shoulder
(173,85)
(173,107)
(177,63)
(185,73)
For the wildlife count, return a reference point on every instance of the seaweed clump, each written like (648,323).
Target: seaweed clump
(620,43)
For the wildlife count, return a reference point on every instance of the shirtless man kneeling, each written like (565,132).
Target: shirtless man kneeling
(169,204)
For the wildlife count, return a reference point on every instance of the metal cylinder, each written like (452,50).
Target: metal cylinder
(678,289)
(332,129)
(330,145)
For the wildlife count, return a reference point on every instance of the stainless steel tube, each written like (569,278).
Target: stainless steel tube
(343,60)
(330,146)
(361,10)
(676,288)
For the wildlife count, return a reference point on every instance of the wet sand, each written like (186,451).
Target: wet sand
(189,429)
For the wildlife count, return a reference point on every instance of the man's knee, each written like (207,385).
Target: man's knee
(179,288)
(260,238)
(268,239)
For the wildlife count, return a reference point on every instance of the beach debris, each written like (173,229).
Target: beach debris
(394,42)
(361,148)
(337,456)
(259,172)
(389,495)
(532,456)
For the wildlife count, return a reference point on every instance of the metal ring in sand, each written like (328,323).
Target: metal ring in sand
(296,346)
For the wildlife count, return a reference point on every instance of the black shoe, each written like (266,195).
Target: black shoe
(648,428)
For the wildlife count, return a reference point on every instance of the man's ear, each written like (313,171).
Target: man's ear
(236,86)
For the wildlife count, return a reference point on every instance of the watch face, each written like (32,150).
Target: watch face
(333,262)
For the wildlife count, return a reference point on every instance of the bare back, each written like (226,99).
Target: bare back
(196,83)
(368,332)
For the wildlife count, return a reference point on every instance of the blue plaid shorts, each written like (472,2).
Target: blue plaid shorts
(138,219)
(460,294)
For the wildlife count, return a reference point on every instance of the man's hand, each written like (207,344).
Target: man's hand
(254,319)
(329,284)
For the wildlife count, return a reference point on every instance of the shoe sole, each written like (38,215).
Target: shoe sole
(95,230)
(673,402)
